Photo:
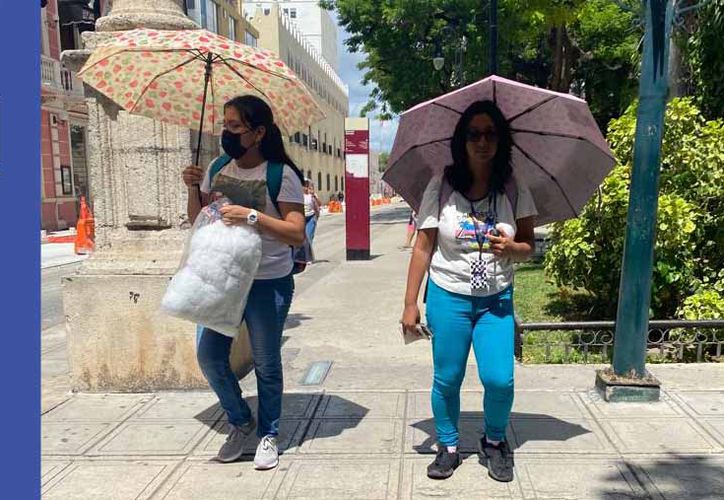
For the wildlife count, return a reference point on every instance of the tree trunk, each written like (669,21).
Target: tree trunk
(556,73)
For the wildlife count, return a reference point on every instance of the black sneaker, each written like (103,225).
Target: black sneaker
(499,460)
(444,465)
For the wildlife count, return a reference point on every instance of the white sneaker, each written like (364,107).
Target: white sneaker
(267,454)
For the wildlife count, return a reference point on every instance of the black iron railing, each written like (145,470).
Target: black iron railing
(672,341)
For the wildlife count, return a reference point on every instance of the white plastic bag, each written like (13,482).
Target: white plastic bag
(216,273)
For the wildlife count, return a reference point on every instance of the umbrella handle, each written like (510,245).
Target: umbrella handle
(207,77)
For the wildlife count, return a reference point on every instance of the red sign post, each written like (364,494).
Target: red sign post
(357,188)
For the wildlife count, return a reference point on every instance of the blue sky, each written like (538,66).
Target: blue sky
(382,134)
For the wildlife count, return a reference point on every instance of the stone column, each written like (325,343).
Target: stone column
(118,340)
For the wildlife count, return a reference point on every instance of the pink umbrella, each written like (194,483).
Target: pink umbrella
(558,149)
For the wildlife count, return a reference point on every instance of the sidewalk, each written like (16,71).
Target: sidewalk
(366,431)
(58,254)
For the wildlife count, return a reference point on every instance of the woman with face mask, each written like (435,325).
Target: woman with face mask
(254,143)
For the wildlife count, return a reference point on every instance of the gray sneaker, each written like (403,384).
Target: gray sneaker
(267,454)
(233,448)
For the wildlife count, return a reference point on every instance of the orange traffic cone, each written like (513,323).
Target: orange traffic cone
(83,241)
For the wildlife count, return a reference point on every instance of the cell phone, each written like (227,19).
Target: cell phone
(424,331)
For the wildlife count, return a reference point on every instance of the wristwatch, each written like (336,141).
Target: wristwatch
(252,218)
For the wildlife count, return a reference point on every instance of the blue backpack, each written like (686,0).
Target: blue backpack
(274,176)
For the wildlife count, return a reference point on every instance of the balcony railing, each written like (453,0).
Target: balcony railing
(58,78)
(49,72)
(70,83)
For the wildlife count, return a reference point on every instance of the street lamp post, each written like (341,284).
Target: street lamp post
(438,62)
(629,380)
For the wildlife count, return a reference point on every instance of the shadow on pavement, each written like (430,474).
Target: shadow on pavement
(551,429)
(295,320)
(322,417)
(675,476)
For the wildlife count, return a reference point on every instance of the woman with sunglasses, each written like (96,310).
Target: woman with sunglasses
(254,143)
(475,220)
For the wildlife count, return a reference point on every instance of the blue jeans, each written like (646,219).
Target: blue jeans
(265,314)
(457,321)
(310,227)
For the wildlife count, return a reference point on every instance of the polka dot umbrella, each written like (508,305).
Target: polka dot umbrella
(184,77)
(558,150)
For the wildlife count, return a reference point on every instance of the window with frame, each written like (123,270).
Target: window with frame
(319,180)
(329,183)
(293,13)
(212,20)
(297,138)
(305,140)
(232,28)
(336,183)
(250,39)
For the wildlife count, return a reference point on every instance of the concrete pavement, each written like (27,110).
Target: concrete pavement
(366,431)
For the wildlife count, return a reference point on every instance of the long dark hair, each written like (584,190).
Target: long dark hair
(458,175)
(257,113)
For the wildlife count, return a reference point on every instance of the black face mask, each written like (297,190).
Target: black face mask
(231,143)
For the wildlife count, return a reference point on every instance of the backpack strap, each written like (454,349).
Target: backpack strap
(218,165)
(274,175)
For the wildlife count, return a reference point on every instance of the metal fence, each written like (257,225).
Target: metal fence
(669,341)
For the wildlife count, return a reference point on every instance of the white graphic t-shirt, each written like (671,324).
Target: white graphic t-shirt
(457,244)
(247,187)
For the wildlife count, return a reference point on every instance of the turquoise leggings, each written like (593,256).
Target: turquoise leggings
(487,323)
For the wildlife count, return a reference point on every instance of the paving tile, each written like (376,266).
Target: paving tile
(108,480)
(49,468)
(552,435)
(215,481)
(716,427)
(353,436)
(666,407)
(548,404)
(419,406)
(97,407)
(657,435)
(710,404)
(469,481)
(362,404)
(359,479)
(291,432)
(71,438)
(177,406)
(575,480)
(153,438)
(683,478)
(421,437)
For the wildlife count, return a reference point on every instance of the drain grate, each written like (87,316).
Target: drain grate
(316,373)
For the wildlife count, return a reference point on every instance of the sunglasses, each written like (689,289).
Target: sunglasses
(476,135)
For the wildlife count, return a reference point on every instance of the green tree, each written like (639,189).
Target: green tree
(558,44)
(704,55)
(687,277)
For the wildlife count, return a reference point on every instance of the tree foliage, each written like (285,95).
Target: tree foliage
(687,279)
(588,45)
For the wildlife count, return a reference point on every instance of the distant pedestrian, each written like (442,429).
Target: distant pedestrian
(340,197)
(312,207)
(470,233)
(411,229)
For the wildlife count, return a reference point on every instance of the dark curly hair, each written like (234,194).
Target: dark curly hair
(458,175)
(256,113)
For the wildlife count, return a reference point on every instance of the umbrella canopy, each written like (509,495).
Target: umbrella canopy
(161,74)
(558,149)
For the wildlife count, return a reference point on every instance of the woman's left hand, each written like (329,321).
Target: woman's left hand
(234,215)
(502,246)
